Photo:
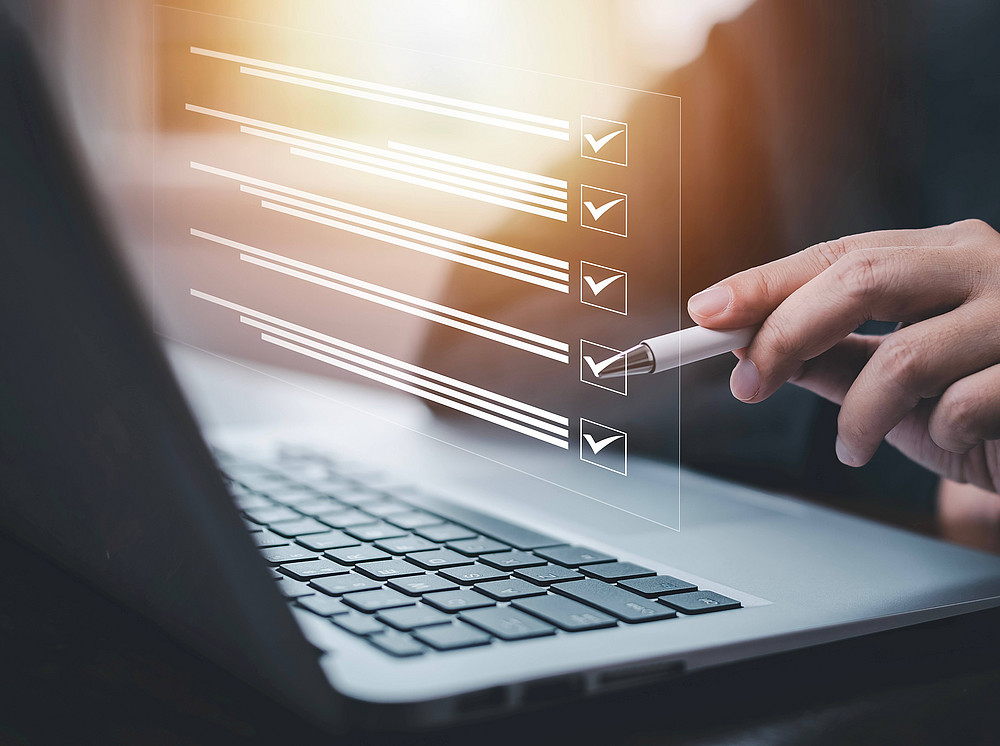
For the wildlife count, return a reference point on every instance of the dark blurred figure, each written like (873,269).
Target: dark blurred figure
(802,122)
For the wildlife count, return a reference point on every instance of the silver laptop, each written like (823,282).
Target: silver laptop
(339,544)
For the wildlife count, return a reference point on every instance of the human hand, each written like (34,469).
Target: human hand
(931,388)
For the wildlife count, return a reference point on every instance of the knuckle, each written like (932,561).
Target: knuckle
(957,414)
(898,359)
(828,253)
(778,340)
(861,273)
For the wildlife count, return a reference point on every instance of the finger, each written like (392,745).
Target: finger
(831,374)
(915,363)
(968,412)
(746,298)
(898,284)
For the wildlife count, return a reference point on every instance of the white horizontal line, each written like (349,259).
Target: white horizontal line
(563,288)
(337,146)
(243,310)
(416,307)
(451,246)
(530,255)
(415,380)
(395,101)
(416,392)
(431,184)
(424,173)
(485,108)
(430,316)
(482,165)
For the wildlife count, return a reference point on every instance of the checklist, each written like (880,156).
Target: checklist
(604,210)
(603,446)
(604,287)
(604,140)
(594,358)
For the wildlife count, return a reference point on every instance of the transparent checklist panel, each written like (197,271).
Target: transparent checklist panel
(475,237)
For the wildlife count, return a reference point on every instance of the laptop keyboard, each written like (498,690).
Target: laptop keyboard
(344,543)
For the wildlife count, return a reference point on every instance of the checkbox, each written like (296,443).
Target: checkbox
(604,140)
(604,446)
(604,210)
(593,359)
(604,287)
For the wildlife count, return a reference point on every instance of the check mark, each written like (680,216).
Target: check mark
(598,367)
(597,287)
(598,144)
(599,445)
(598,211)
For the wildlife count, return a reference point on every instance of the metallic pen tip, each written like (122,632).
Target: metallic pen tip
(634,361)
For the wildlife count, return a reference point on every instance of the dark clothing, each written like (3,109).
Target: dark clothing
(802,122)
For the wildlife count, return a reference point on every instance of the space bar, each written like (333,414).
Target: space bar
(516,536)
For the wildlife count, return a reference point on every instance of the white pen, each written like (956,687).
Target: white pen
(669,351)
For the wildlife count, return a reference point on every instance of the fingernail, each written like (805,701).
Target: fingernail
(710,302)
(745,381)
(843,454)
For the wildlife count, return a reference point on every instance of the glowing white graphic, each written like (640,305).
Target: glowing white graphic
(604,446)
(452,107)
(604,140)
(458,395)
(599,445)
(382,222)
(429,310)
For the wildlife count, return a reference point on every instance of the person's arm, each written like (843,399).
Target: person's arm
(931,388)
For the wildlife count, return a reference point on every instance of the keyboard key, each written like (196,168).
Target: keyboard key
(271,514)
(627,606)
(354,555)
(452,636)
(327,540)
(507,623)
(512,560)
(383,508)
(265,539)
(458,600)
(518,537)
(275,575)
(341,584)
(446,532)
(322,605)
(281,555)
(294,588)
(250,501)
(318,505)
(292,495)
(394,568)
(477,546)
(394,643)
(700,602)
(405,544)
(301,527)
(417,585)
(373,531)
(565,613)
(413,519)
(474,573)
(359,497)
(439,558)
(571,556)
(661,585)
(547,575)
(617,571)
(315,569)
(345,518)
(359,624)
(411,617)
(376,600)
(503,590)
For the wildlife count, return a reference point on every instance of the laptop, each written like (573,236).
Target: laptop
(391,586)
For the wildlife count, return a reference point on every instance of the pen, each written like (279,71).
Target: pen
(669,351)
